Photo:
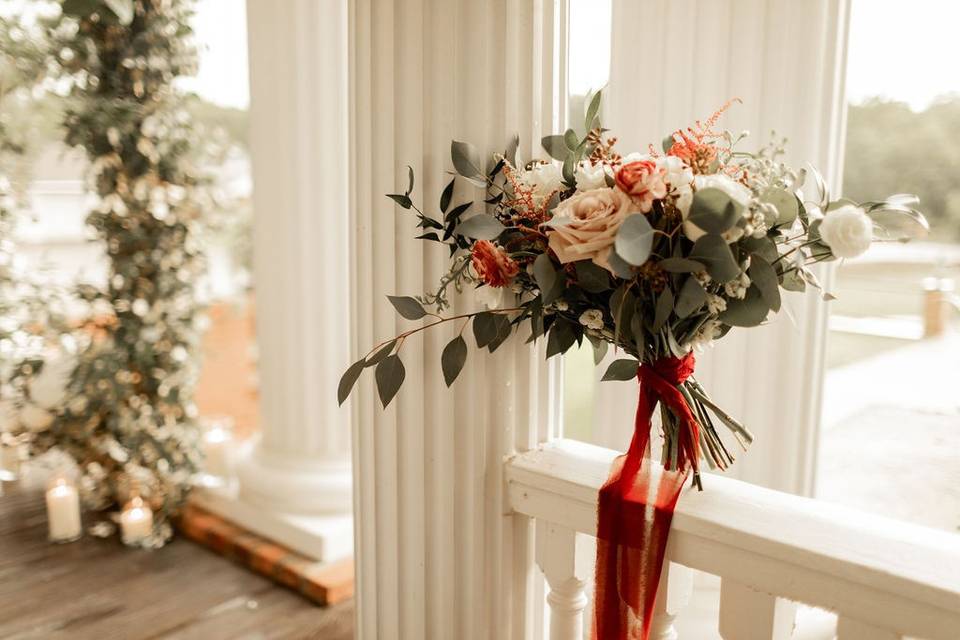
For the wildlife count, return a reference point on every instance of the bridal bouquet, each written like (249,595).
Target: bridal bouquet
(654,253)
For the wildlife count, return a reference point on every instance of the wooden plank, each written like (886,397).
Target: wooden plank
(96,588)
(898,575)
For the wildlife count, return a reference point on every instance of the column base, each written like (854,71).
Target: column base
(325,538)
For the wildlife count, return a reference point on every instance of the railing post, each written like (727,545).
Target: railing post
(673,594)
(557,558)
(850,629)
(746,614)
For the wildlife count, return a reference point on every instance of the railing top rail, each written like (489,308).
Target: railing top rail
(861,565)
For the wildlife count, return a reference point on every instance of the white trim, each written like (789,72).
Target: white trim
(897,575)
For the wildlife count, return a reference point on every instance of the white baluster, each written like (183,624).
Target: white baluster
(850,629)
(673,594)
(557,557)
(746,614)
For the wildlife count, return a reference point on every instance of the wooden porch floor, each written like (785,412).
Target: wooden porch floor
(96,589)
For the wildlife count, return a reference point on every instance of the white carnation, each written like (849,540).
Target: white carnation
(590,176)
(544,178)
(678,175)
(848,231)
(737,192)
(592,319)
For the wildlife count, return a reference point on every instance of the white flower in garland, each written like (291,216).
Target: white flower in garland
(848,231)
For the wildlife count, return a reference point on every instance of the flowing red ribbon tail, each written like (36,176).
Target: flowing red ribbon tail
(634,515)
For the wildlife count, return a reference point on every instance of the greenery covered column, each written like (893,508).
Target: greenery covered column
(130,419)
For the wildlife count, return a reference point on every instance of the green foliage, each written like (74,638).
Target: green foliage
(891,148)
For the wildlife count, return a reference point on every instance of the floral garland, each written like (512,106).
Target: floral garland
(128,417)
(657,254)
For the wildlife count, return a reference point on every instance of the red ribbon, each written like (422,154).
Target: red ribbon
(632,524)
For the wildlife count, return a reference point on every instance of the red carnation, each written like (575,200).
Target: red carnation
(493,265)
(643,182)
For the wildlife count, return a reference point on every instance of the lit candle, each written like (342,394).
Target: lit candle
(136,522)
(63,510)
(218,451)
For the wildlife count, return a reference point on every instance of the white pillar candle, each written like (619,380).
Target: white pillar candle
(63,510)
(218,451)
(136,522)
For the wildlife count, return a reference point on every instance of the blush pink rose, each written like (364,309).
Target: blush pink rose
(586,225)
(643,181)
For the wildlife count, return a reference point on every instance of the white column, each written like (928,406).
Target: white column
(295,484)
(438,555)
(786,61)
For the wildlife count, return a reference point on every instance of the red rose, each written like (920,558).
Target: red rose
(493,265)
(643,181)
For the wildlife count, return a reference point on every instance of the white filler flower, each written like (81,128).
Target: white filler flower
(592,319)
(848,231)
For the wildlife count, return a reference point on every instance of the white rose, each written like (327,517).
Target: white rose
(544,178)
(592,319)
(848,231)
(636,156)
(35,418)
(737,192)
(590,176)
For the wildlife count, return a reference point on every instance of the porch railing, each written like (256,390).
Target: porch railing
(885,579)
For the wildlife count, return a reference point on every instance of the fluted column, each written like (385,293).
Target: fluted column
(299,150)
(295,482)
(438,554)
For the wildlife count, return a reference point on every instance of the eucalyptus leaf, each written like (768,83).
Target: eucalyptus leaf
(667,143)
(621,369)
(592,278)
(600,348)
(680,265)
(786,203)
(592,111)
(749,312)
(389,375)
(348,380)
(447,195)
(484,328)
(621,268)
(665,304)
(466,160)
(381,353)
(556,147)
(764,276)
(570,139)
(692,296)
(401,199)
(407,307)
(452,359)
(502,328)
(409,180)
(480,227)
(634,239)
(546,277)
(712,250)
(714,211)
(560,338)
